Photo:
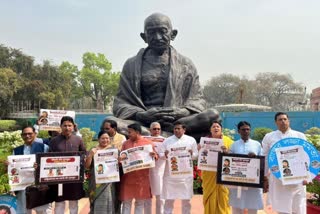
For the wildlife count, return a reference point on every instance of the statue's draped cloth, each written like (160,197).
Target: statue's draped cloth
(183,88)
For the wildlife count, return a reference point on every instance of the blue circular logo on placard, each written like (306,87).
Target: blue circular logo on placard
(310,150)
(8,204)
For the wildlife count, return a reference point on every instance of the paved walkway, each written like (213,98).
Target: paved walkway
(196,206)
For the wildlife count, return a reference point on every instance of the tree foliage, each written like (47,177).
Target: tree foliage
(9,85)
(260,132)
(97,80)
(228,88)
(278,91)
(25,85)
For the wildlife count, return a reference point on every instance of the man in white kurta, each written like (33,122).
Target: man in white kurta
(250,198)
(178,188)
(283,198)
(156,173)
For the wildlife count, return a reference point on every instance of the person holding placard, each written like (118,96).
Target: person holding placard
(67,142)
(30,147)
(283,198)
(103,197)
(215,196)
(250,198)
(156,173)
(175,185)
(135,184)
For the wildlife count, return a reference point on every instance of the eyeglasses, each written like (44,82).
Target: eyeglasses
(25,134)
(156,129)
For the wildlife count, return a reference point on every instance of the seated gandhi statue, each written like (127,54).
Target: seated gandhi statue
(159,84)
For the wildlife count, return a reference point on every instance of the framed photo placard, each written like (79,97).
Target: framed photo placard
(240,170)
(60,167)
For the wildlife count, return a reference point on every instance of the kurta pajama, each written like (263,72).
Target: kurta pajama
(251,198)
(135,184)
(71,191)
(284,198)
(178,188)
(156,178)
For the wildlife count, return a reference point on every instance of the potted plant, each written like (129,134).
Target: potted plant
(313,189)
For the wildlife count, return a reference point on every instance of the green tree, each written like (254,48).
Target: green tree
(97,80)
(260,132)
(9,85)
(16,60)
(71,83)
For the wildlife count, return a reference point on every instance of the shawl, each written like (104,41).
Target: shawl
(183,89)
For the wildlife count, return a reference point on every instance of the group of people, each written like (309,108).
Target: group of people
(65,141)
(142,185)
(159,84)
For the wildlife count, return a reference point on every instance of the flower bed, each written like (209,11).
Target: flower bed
(197,180)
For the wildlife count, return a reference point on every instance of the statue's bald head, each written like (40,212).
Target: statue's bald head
(158,32)
(156,19)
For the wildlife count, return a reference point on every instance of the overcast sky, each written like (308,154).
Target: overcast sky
(242,37)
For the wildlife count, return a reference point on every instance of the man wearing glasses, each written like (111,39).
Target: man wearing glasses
(156,173)
(116,139)
(30,147)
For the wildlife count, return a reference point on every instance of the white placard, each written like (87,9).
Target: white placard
(208,154)
(293,164)
(106,168)
(50,119)
(21,171)
(137,158)
(180,161)
(243,170)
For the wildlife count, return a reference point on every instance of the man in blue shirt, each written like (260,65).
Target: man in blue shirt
(30,147)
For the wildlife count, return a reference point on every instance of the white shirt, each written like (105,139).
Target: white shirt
(156,173)
(178,188)
(289,198)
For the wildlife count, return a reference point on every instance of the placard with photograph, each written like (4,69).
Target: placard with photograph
(240,170)
(21,171)
(60,167)
(106,166)
(137,158)
(208,154)
(293,160)
(180,161)
(50,119)
(294,165)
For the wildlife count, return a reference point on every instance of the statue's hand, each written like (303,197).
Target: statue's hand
(180,113)
(148,116)
(172,114)
(162,114)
